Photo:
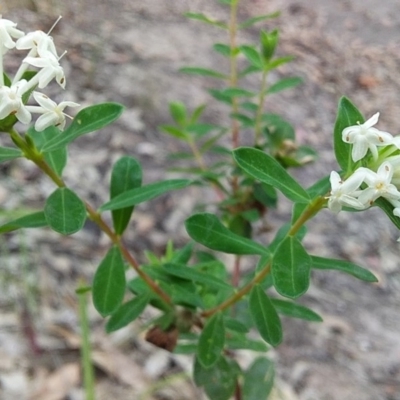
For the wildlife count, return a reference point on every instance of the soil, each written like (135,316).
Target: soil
(130,52)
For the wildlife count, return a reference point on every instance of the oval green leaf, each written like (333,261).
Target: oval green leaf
(89,119)
(109,283)
(206,229)
(211,341)
(144,193)
(266,169)
(343,266)
(347,115)
(126,175)
(265,316)
(291,267)
(259,380)
(219,381)
(65,212)
(127,313)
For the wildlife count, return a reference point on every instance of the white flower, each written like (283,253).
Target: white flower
(39,41)
(11,102)
(364,137)
(379,185)
(52,113)
(50,68)
(8,32)
(344,193)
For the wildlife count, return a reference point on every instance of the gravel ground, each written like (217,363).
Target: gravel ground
(130,52)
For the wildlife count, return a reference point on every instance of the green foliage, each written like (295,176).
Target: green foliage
(265,316)
(211,341)
(344,266)
(109,284)
(284,84)
(347,115)
(57,159)
(141,194)
(269,41)
(9,153)
(65,212)
(259,380)
(210,232)
(35,220)
(267,170)
(219,381)
(127,313)
(126,175)
(291,267)
(201,309)
(294,310)
(88,120)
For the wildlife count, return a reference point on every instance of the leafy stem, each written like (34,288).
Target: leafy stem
(233,80)
(312,209)
(258,125)
(33,154)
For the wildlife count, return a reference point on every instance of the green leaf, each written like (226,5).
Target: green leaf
(294,310)
(266,169)
(183,293)
(235,325)
(265,316)
(178,112)
(269,41)
(197,113)
(127,313)
(65,212)
(206,229)
(241,342)
(9,153)
(109,283)
(190,274)
(344,266)
(278,130)
(35,220)
(252,55)
(203,72)
(388,208)
(183,255)
(219,382)
(259,380)
(211,341)
(291,267)
(251,21)
(89,119)
(57,159)
(175,132)
(347,115)
(284,84)
(126,175)
(144,193)
(277,62)
(223,49)
(204,18)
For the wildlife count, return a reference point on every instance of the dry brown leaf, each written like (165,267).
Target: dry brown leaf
(120,367)
(57,385)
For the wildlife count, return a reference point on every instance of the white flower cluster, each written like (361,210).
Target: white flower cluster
(364,186)
(42,55)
